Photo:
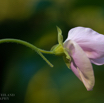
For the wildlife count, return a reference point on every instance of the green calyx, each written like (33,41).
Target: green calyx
(60,50)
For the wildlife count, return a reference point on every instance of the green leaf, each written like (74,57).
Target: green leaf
(67,55)
(67,58)
(67,61)
(60,37)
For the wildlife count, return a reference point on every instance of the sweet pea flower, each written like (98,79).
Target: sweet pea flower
(85,46)
(82,47)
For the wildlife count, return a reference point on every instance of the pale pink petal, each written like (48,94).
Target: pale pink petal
(74,69)
(82,62)
(98,61)
(89,40)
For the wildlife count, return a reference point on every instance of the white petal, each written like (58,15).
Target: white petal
(82,62)
(89,40)
(98,61)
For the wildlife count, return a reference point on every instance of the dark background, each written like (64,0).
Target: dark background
(23,72)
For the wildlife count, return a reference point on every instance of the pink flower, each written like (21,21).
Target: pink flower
(85,45)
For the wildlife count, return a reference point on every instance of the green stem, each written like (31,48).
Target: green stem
(30,46)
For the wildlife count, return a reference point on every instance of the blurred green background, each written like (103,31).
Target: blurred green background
(23,72)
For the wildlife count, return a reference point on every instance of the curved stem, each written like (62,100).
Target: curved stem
(30,46)
(45,51)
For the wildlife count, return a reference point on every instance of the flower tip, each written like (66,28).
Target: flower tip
(89,89)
